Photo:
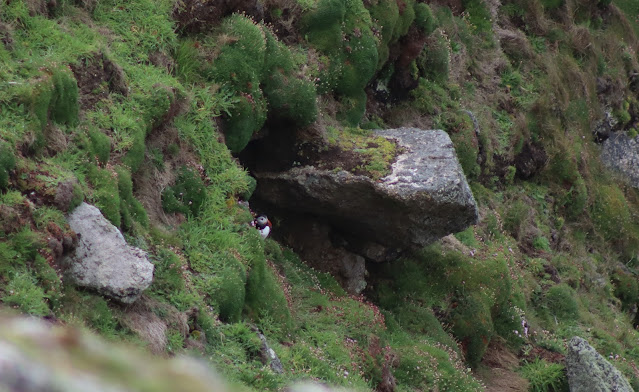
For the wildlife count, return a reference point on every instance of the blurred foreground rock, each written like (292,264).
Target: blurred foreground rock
(103,261)
(588,371)
(37,357)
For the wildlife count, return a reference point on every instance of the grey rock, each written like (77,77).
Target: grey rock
(588,371)
(103,261)
(620,153)
(268,355)
(604,127)
(425,197)
(38,357)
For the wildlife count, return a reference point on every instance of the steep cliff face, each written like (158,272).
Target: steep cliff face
(169,116)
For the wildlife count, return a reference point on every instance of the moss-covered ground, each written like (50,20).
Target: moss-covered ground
(114,103)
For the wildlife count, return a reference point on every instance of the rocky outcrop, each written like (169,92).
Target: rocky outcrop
(103,261)
(620,153)
(268,355)
(36,357)
(424,198)
(588,371)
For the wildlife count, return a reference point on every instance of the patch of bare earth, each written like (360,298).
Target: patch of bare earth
(142,318)
(150,180)
(97,76)
(498,370)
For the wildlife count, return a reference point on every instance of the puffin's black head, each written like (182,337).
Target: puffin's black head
(261,220)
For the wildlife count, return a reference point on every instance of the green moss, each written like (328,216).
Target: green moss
(473,326)
(135,155)
(541,243)
(610,213)
(167,274)
(106,193)
(377,153)
(561,302)
(246,118)
(156,103)
(341,29)
(360,62)
(461,130)
(626,288)
(322,25)
(575,199)
(421,320)
(433,61)
(289,98)
(99,316)
(226,289)
(352,108)
(241,61)
(264,296)
(552,4)
(54,96)
(131,210)
(252,184)
(515,216)
(423,365)
(187,195)
(424,18)
(406,18)
(24,293)
(479,15)
(292,99)
(100,146)
(64,102)
(385,16)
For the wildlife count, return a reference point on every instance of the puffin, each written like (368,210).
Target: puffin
(263,225)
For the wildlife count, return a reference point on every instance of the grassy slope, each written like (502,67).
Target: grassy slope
(557,251)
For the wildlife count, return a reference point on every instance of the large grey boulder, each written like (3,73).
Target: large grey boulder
(103,261)
(620,153)
(588,371)
(424,198)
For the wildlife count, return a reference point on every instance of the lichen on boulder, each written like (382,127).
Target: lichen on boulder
(588,371)
(620,153)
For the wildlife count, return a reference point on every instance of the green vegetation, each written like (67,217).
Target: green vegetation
(187,195)
(544,376)
(375,153)
(109,103)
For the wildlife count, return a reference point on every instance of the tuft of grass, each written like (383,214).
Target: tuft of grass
(434,60)
(289,99)
(24,293)
(100,146)
(424,18)
(561,302)
(187,195)
(544,376)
